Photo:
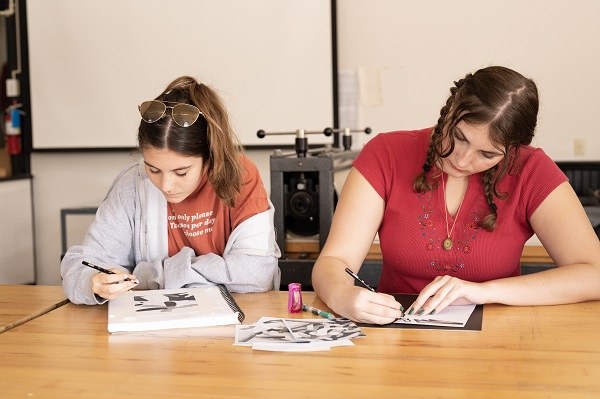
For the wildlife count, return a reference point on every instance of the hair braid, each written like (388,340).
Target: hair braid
(489,221)
(434,152)
(421,182)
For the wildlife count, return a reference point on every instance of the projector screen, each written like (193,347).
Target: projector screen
(93,62)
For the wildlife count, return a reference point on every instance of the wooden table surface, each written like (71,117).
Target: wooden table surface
(521,352)
(21,303)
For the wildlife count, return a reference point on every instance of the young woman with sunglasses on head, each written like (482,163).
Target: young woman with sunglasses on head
(454,206)
(192,212)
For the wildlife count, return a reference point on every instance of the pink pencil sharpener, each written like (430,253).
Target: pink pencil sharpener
(295,297)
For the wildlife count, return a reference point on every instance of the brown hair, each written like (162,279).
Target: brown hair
(210,137)
(500,97)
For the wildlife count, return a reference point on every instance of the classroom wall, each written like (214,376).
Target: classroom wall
(388,91)
(406,54)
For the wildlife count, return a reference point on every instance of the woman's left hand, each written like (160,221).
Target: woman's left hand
(445,291)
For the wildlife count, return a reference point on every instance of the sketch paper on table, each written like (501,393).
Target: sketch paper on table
(274,334)
(266,330)
(452,316)
(323,330)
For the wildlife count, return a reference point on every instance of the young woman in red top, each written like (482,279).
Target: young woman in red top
(454,206)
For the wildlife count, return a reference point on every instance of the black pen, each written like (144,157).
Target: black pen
(101,269)
(355,277)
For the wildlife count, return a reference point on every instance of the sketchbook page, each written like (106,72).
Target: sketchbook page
(169,308)
(452,316)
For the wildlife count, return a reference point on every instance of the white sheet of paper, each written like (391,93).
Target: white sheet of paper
(452,316)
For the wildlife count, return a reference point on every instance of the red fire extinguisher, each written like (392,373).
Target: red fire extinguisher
(12,125)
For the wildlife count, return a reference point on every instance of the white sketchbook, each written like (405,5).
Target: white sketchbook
(173,308)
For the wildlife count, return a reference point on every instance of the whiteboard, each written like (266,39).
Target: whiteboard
(408,53)
(93,62)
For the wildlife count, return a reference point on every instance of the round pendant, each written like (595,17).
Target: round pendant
(447,244)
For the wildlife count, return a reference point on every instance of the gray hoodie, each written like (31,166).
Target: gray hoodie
(130,233)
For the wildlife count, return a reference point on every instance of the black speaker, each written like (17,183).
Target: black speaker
(302,192)
(302,203)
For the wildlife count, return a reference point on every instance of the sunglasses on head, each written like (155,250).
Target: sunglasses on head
(183,114)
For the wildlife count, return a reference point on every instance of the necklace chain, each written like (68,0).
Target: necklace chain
(447,243)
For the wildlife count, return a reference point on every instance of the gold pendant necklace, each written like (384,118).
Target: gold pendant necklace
(447,243)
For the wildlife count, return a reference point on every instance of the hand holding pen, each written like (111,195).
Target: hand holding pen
(103,270)
(109,288)
(367,286)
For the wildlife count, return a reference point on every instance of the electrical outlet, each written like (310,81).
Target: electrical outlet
(579,146)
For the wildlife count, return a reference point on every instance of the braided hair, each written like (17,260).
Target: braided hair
(500,97)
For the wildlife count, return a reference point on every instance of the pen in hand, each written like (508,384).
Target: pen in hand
(355,277)
(102,270)
(361,282)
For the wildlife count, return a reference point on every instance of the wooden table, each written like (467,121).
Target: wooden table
(521,352)
(21,303)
